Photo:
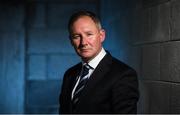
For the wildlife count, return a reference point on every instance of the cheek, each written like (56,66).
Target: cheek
(75,43)
(94,41)
(97,42)
(94,44)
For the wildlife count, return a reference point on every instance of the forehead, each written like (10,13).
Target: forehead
(84,24)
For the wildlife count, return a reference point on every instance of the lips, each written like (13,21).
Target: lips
(84,50)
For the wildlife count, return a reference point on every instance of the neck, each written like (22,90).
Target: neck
(87,60)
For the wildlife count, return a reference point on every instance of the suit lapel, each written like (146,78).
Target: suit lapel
(75,75)
(73,78)
(97,75)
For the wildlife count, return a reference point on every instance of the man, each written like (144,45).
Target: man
(100,83)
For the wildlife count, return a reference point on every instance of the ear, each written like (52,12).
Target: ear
(102,35)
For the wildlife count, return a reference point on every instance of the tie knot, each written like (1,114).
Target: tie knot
(85,70)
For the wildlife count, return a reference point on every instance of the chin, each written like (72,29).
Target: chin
(86,57)
(85,54)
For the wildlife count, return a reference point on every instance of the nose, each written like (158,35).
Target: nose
(83,40)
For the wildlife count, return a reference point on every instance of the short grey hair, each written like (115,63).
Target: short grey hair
(80,14)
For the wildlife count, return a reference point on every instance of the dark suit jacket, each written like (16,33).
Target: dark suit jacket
(112,88)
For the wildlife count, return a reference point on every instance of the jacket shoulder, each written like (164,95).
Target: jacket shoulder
(119,67)
(115,63)
(118,63)
(73,70)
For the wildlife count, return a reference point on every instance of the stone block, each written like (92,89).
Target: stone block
(151,62)
(159,97)
(175,100)
(49,41)
(175,19)
(137,25)
(140,22)
(43,94)
(133,59)
(37,67)
(12,17)
(145,27)
(160,28)
(59,14)
(58,64)
(155,97)
(143,103)
(12,73)
(150,3)
(170,63)
(154,25)
(42,110)
(36,15)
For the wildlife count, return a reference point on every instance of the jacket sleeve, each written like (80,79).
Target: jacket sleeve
(125,93)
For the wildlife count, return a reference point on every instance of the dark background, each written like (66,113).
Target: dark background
(35,50)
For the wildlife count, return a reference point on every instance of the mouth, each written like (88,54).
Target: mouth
(84,50)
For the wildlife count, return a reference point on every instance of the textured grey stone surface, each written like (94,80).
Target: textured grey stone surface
(159,93)
(151,62)
(170,63)
(175,19)
(160,57)
(155,97)
(150,3)
(152,24)
(175,100)
(145,30)
(136,25)
(133,58)
(143,103)
(160,28)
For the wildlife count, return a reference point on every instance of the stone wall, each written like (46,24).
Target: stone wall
(35,49)
(157,35)
(49,52)
(12,53)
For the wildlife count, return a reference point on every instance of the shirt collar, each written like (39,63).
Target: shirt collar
(95,61)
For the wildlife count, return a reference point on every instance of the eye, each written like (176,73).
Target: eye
(89,34)
(75,36)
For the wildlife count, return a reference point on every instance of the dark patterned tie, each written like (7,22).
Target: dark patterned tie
(81,84)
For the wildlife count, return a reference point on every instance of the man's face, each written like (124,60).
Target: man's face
(87,38)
